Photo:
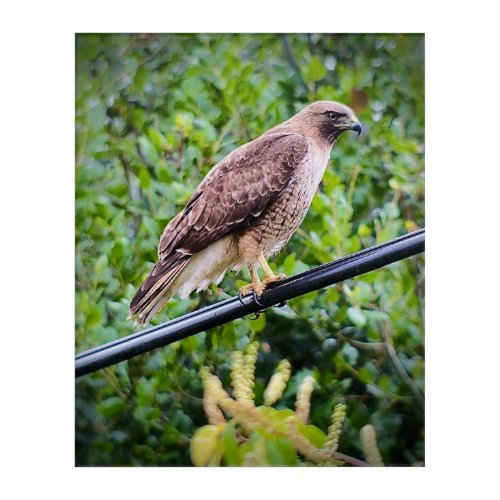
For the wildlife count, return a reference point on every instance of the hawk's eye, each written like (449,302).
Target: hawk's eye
(332,116)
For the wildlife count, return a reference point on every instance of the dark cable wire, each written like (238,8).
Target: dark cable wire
(217,314)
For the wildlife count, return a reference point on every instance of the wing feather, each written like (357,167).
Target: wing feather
(235,192)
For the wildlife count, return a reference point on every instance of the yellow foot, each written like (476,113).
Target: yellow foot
(272,279)
(258,288)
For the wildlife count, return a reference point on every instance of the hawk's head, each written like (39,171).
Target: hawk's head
(330,119)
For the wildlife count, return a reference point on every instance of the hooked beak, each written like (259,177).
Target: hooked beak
(356,126)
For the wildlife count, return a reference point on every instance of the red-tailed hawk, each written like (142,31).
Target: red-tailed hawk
(246,208)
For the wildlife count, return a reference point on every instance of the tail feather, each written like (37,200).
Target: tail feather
(156,289)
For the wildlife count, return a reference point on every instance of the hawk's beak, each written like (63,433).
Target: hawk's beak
(356,126)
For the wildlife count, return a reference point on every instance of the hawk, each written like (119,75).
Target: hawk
(246,209)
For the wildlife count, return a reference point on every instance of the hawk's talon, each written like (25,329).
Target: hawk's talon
(240,297)
(273,279)
(257,287)
(256,299)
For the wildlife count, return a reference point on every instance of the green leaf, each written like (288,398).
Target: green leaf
(367,374)
(111,406)
(204,444)
(259,323)
(101,265)
(144,179)
(232,456)
(277,417)
(148,149)
(141,77)
(158,140)
(316,71)
(350,353)
(288,264)
(145,392)
(316,436)
(281,452)
(217,455)
(376,315)
(138,118)
(355,314)
(94,316)
(151,226)
(258,444)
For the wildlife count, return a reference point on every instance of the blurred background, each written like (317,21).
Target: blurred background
(153,114)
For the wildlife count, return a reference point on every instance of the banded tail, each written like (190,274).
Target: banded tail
(157,289)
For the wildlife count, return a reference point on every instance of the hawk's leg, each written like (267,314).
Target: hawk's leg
(255,286)
(270,277)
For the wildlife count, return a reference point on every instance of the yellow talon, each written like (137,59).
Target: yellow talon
(256,285)
(258,288)
(276,277)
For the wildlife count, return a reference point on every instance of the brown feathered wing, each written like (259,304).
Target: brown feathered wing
(234,193)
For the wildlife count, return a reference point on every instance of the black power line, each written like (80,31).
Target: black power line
(228,310)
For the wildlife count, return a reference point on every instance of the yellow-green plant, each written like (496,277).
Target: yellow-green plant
(243,434)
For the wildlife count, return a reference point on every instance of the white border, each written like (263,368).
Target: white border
(462,336)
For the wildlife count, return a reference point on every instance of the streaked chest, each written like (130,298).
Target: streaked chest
(311,171)
(286,214)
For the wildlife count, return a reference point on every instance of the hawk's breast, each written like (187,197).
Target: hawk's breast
(277,224)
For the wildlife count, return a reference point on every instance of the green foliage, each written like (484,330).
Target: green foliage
(153,114)
(262,435)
